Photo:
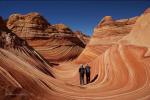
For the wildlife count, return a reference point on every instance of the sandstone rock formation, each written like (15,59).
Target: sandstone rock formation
(17,59)
(122,72)
(55,42)
(106,34)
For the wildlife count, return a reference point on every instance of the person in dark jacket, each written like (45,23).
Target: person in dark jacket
(81,71)
(88,72)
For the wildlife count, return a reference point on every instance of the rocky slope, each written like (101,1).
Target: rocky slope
(55,42)
(18,62)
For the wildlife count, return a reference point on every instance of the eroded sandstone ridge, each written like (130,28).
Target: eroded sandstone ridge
(106,34)
(55,42)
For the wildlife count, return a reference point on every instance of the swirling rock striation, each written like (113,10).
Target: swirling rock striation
(107,33)
(122,71)
(55,42)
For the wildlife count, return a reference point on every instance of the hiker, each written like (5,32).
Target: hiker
(87,70)
(81,71)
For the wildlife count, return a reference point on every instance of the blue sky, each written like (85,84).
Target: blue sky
(81,15)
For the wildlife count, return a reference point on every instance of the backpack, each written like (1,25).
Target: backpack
(87,69)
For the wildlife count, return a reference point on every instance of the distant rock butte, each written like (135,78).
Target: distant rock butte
(55,42)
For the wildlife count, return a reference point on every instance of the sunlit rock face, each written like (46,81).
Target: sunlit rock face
(140,33)
(106,34)
(55,42)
